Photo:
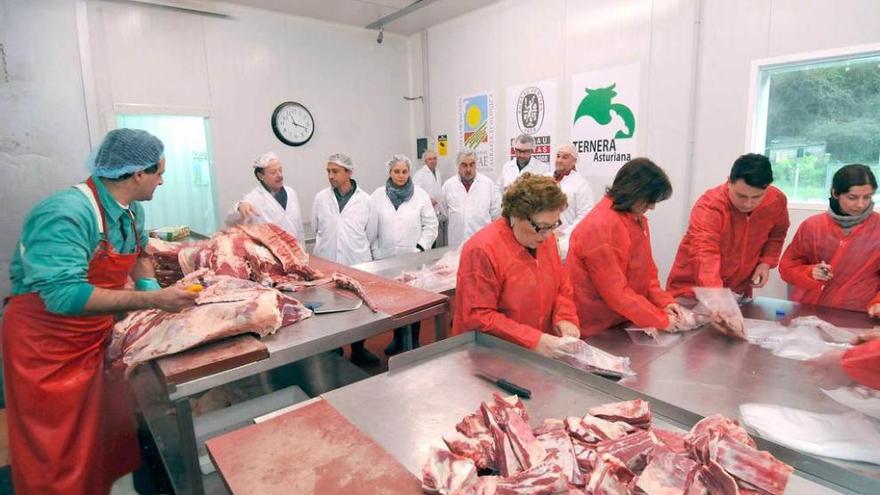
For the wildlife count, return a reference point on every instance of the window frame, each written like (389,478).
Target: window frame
(759,95)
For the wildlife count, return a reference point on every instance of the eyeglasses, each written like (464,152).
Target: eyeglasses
(519,150)
(543,229)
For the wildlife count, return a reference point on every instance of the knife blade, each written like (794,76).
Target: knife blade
(506,385)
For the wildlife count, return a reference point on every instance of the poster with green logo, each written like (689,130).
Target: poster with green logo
(476,129)
(605,118)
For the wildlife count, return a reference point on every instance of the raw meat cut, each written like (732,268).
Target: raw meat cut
(671,440)
(722,303)
(438,277)
(544,479)
(666,474)
(591,429)
(633,450)
(525,446)
(560,452)
(506,462)
(757,468)
(446,473)
(227,307)
(346,282)
(480,449)
(611,477)
(634,412)
(720,425)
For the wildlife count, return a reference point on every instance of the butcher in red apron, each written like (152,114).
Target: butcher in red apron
(70,417)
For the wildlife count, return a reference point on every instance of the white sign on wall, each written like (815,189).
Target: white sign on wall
(531,109)
(604,117)
(476,129)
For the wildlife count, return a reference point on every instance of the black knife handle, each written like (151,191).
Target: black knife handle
(514,389)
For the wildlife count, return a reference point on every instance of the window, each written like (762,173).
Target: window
(187,195)
(814,116)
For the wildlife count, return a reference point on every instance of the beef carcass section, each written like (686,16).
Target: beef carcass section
(228,306)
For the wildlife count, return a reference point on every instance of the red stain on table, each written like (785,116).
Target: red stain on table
(310,450)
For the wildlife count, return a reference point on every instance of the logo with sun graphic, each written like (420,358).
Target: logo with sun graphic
(475,121)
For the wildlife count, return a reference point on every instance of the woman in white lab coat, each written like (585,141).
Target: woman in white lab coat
(407,221)
(406,224)
(271,201)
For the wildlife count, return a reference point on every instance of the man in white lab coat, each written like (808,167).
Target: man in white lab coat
(523,161)
(345,223)
(271,201)
(576,189)
(429,179)
(470,200)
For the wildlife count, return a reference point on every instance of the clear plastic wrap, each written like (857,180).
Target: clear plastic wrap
(577,353)
(721,305)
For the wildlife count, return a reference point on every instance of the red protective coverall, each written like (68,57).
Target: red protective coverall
(505,291)
(862,363)
(854,260)
(723,246)
(613,272)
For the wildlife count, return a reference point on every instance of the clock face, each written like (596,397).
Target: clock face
(293,123)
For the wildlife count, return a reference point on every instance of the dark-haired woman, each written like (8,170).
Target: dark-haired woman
(834,258)
(609,260)
(511,282)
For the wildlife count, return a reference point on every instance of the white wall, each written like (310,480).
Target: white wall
(238,69)
(43,129)
(694,79)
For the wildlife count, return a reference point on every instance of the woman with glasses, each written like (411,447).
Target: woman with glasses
(511,282)
(609,256)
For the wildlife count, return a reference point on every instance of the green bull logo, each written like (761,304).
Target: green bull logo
(597,105)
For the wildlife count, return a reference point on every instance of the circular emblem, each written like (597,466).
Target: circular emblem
(530,110)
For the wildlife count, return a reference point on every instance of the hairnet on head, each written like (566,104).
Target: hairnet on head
(125,151)
(263,160)
(342,160)
(398,158)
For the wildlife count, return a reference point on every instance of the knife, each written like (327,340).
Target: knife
(506,385)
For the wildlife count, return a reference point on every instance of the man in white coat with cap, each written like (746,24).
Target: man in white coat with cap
(271,201)
(470,200)
(345,222)
(523,161)
(429,179)
(576,189)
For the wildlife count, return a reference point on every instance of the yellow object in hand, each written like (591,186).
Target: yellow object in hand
(195,288)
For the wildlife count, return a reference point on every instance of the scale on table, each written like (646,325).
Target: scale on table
(323,300)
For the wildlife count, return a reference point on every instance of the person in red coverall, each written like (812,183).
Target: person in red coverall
(609,255)
(834,259)
(511,283)
(735,234)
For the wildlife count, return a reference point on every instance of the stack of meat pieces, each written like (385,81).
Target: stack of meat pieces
(227,306)
(264,253)
(612,450)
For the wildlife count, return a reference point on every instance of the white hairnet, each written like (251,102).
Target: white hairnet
(125,151)
(398,158)
(263,160)
(342,160)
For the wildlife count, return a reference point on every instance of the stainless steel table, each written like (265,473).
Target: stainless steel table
(427,391)
(166,407)
(393,267)
(706,372)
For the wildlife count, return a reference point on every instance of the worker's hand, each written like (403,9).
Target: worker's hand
(247,210)
(547,345)
(867,336)
(874,311)
(433,202)
(567,329)
(826,370)
(728,326)
(676,310)
(173,299)
(821,272)
(673,323)
(761,275)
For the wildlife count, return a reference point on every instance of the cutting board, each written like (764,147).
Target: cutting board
(310,450)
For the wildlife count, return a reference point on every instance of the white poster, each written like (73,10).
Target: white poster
(605,116)
(476,129)
(531,109)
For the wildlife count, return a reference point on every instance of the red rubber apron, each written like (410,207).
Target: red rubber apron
(71,421)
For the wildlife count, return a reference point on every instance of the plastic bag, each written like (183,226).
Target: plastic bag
(863,399)
(723,303)
(651,337)
(439,277)
(849,436)
(578,354)
(800,343)
(831,332)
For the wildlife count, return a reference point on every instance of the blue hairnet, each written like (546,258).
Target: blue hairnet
(125,151)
